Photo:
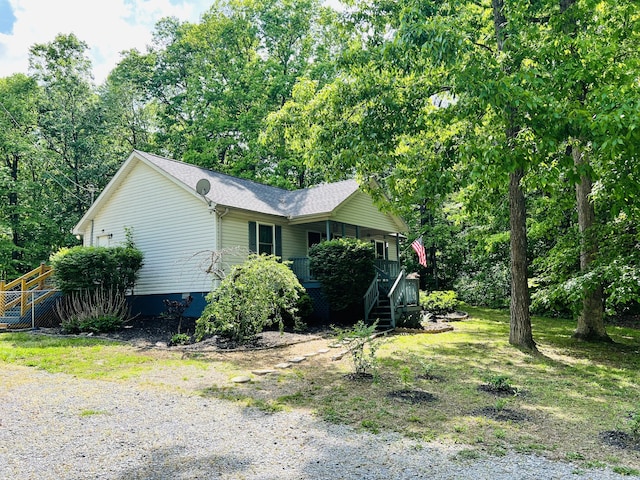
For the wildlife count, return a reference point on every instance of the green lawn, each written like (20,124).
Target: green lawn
(567,395)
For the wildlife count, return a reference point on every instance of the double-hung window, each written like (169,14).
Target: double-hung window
(266,239)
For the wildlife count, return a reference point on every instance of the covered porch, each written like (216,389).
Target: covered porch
(386,246)
(390,293)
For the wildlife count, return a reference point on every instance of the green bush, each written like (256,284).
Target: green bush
(439,302)
(490,287)
(91,268)
(256,294)
(94,311)
(345,268)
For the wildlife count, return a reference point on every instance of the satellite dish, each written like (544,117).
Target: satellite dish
(203,186)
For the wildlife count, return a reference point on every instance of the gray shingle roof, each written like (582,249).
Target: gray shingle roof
(245,194)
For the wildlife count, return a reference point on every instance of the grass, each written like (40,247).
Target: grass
(565,396)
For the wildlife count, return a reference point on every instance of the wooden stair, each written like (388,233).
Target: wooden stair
(25,299)
(382,313)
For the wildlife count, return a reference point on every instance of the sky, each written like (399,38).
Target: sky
(107,26)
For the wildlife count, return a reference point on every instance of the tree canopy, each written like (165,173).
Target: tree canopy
(506,133)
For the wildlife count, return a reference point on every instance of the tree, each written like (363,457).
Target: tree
(76,156)
(211,85)
(584,111)
(380,120)
(17,147)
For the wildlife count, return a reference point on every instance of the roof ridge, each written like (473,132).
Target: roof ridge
(209,170)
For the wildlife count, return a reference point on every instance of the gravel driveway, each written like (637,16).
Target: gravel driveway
(55,426)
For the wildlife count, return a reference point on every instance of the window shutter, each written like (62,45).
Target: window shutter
(278,241)
(253,244)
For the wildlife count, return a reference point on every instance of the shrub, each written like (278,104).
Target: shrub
(175,310)
(93,268)
(489,288)
(439,302)
(362,336)
(255,295)
(345,268)
(94,311)
(180,339)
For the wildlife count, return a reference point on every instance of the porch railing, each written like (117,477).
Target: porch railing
(371,297)
(390,267)
(412,291)
(300,266)
(397,296)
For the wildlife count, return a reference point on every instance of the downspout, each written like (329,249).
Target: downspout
(219,240)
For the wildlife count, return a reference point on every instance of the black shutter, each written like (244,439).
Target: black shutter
(278,241)
(253,244)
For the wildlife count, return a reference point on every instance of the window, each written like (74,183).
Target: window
(314,238)
(381,251)
(265,239)
(104,240)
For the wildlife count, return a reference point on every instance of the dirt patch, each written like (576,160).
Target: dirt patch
(502,414)
(412,396)
(431,377)
(500,391)
(359,377)
(620,439)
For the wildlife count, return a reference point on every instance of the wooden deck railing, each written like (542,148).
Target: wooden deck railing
(397,296)
(300,266)
(371,297)
(36,279)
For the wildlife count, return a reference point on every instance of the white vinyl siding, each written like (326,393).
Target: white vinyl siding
(359,209)
(235,240)
(173,228)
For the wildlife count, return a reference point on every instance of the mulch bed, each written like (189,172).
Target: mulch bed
(430,377)
(499,391)
(412,396)
(502,414)
(359,377)
(620,439)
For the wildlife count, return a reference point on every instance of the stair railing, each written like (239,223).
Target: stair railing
(34,280)
(397,295)
(371,298)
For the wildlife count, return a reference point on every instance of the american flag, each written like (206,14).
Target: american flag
(419,248)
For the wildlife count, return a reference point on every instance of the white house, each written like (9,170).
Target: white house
(192,224)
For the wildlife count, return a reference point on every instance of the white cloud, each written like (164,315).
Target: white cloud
(107,26)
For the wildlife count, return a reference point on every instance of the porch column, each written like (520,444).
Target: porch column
(328,228)
(398,246)
(358,232)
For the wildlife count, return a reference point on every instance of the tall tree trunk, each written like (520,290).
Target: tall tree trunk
(591,319)
(520,331)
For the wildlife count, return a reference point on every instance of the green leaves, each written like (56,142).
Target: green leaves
(256,294)
(91,268)
(345,269)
